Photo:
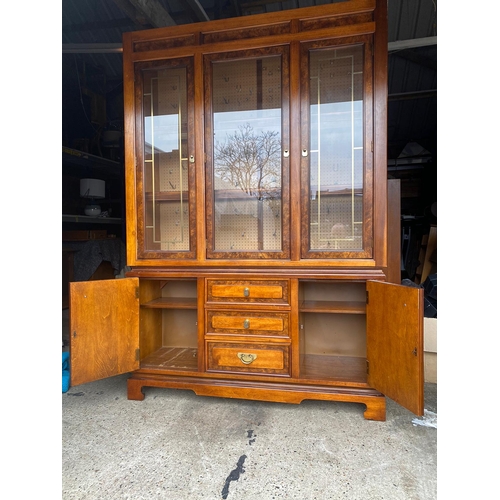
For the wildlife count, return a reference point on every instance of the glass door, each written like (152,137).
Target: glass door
(165,165)
(336,159)
(247,143)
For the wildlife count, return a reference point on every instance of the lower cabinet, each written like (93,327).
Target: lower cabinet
(269,339)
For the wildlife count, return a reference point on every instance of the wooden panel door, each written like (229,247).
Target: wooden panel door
(394,326)
(104,329)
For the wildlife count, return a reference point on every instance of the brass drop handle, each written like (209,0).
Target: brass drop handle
(246,292)
(246,324)
(246,359)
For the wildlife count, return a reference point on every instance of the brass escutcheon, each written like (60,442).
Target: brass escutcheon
(246,323)
(246,292)
(247,358)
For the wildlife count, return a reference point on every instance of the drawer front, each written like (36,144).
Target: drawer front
(249,358)
(247,323)
(252,291)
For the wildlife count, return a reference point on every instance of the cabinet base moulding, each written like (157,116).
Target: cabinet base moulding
(278,393)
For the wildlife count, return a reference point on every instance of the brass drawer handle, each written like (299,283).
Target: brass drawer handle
(246,323)
(247,358)
(246,292)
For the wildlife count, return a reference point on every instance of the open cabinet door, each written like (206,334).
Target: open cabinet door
(394,349)
(104,329)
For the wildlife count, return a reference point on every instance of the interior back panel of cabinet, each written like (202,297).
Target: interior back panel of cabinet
(333,334)
(315,290)
(179,289)
(180,328)
(238,225)
(247,85)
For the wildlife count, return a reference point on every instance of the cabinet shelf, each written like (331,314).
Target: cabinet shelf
(335,307)
(81,163)
(77,165)
(88,219)
(171,303)
(343,369)
(339,191)
(172,358)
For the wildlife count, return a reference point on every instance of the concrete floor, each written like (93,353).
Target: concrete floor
(176,445)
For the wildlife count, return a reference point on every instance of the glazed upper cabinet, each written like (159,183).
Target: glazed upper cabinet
(255,139)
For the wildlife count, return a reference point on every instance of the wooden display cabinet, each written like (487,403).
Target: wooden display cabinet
(259,219)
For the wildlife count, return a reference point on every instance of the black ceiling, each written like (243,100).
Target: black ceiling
(92,34)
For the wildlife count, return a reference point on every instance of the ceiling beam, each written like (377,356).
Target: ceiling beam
(412,43)
(132,13)
(197,10)
(92,48)
(98,25)
(150,11)
(419,94)
(236,7)
(412,56)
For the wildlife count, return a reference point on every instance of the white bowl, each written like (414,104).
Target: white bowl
(92,210)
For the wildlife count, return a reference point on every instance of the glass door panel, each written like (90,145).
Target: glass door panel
(247,179)
(165,212)
(336,204)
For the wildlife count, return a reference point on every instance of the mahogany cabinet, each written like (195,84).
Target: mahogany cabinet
(258,218)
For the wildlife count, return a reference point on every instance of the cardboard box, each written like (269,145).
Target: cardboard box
(430,350)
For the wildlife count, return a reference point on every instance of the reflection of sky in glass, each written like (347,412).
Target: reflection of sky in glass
(335,123)
(335,134)
(259,119)
(166,130)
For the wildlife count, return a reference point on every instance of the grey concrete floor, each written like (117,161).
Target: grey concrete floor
(176,445)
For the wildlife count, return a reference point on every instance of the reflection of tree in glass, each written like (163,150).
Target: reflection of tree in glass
(250,162)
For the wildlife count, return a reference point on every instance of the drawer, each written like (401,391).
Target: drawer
(249,358)
(248,323)
(251,291)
